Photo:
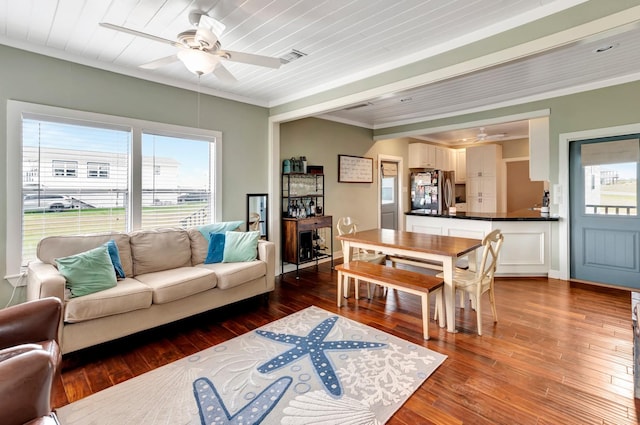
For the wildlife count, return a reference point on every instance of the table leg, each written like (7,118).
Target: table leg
(346,258)
(340,285)
(449,293)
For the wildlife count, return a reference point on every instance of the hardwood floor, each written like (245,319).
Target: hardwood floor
(560,353)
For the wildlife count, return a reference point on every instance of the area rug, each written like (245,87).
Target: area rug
(311,367)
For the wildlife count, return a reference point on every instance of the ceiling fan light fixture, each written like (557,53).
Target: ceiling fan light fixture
(198,61)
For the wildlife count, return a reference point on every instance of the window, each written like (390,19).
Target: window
(124,178)
(99,170)
(180,195)
(81,205)
(65,168)
(611,177)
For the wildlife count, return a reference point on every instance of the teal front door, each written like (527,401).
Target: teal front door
(605,227)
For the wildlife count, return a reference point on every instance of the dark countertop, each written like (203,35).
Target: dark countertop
(520,215)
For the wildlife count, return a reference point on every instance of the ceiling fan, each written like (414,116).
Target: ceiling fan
(482,136)
(199,49)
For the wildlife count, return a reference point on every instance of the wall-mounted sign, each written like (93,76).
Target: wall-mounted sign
(355,169)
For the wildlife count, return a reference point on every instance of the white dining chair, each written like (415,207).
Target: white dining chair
(346,226)
(477,282)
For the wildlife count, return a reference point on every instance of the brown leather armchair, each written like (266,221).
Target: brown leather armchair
(29,361)
(33,322)
(26,376)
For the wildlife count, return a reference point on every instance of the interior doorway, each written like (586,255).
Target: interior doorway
(390,197)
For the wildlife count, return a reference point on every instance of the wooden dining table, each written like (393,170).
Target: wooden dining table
(421,246)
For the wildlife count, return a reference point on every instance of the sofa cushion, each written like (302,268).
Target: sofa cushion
(170,285)
(115,258)
(240,246)
(200,243)
(159,249)
(230,275)
(127,295)
(216,248)
(199,246)
(88,272)
(53,247)
(220,227)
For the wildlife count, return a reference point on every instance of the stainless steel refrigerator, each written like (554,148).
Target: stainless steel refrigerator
(432,192)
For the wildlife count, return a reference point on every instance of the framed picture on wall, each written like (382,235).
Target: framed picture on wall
(355,169)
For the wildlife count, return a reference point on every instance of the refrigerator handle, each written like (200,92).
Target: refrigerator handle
(448,194)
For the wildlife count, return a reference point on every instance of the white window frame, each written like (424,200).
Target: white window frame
(16,110)
(99,169)
(68,168)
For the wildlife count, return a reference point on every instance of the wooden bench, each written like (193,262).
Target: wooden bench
(390,277)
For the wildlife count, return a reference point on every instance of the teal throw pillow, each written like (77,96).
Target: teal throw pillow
(115,258)
(216,248)
(222,227)
(240,246)
(88,272)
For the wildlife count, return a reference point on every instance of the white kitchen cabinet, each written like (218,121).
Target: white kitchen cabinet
(422,155)
(483,182)
(460,165)
(441,159)
(539,149)
(482,187)
(483,161)
(482,204)
(451,159)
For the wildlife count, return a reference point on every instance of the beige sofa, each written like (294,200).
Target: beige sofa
(166,280)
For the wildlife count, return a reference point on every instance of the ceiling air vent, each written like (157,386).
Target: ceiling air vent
(361,105)
(292,56)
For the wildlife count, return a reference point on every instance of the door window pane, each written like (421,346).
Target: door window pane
(388,192)
(611,189)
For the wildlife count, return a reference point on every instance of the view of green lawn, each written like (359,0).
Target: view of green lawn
(97,220)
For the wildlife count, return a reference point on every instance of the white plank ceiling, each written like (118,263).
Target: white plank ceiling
(344,40)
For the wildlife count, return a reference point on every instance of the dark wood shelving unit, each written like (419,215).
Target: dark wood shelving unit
(300,236)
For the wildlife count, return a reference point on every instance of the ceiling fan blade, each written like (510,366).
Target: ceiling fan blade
(160,62)
(140,34)
(251,59)
(223,74)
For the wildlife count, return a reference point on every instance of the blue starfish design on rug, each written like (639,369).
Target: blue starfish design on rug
(314,345)
(214,412)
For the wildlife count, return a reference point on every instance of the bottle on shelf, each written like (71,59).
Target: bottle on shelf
(312,208)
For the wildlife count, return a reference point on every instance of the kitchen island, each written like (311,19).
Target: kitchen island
(527,235)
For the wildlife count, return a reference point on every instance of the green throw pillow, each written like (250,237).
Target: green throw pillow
(88,272)
(240,246)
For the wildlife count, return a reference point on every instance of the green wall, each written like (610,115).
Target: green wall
(321,141)
(34,78)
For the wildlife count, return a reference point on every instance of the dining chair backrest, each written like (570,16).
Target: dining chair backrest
(491,249)
(346,226)
(254,221)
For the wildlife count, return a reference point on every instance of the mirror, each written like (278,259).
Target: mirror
(257,216)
